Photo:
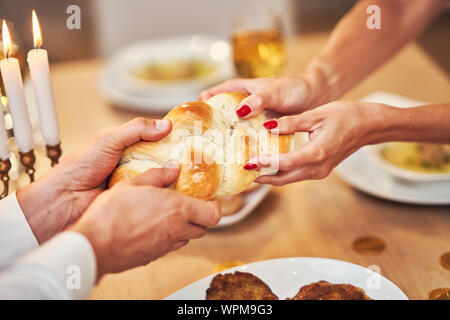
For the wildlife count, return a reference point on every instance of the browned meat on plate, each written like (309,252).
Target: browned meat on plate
(239,286)
(324,290)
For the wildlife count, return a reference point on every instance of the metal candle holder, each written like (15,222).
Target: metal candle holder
(28,159)
(54,153)
(5,166)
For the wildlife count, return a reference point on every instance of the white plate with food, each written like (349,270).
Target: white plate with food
(236,208)
(420,162)
(361,172)
(155,75)
(283,278)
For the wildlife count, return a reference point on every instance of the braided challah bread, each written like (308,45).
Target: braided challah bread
(211,143)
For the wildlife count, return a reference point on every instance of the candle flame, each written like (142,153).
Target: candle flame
(6,40)
(36,31)
(4,101)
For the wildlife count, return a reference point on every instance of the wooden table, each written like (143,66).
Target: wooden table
(306,219)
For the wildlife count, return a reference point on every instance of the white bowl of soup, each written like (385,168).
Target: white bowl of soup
(413,161)
(168,66)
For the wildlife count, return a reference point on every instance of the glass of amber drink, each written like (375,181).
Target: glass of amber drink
(258,43)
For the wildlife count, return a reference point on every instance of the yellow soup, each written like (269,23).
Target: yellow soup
(175,70)
(424,158)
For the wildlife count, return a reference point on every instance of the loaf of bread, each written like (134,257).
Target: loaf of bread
(211,143)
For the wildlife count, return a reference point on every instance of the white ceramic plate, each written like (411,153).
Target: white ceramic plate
(123,90)
(285,277)
(252,199)
(119,98)
(361,172)
(374,152)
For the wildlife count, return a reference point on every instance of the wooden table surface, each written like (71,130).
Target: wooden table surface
(306,219)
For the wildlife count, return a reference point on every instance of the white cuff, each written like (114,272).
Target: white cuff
(16,236)
(69,260)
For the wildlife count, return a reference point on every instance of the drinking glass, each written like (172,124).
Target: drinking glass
(258,42)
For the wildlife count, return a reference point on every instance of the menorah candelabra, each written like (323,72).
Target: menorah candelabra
(15,98)
(28,160)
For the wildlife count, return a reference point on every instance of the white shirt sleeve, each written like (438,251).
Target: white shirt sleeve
(16,237)
(62,268)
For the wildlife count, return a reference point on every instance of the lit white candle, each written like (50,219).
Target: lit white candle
(40,76)
(4,151)
(12,80)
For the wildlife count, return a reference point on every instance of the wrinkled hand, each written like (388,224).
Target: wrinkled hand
(283,95)
(59,198)
(336,130)
(136,221)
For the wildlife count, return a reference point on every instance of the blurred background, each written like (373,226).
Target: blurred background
(107,25)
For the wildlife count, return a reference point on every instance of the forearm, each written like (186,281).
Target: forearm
(62,268)
(430,123)
(41,203)
(353,51)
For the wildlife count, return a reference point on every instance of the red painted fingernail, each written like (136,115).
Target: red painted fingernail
(250,166)
(270,124)
(243,111)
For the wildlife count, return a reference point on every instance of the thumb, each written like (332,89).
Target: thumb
(159,177)
(132,132)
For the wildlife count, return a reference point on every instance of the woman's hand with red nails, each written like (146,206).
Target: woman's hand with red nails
(283,95)
(336,130)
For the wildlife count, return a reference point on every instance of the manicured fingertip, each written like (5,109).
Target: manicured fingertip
(271,124)
(250,166)
(243,111)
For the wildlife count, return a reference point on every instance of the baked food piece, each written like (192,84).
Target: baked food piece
(211,143)
(323,290)
(433,154)
(231,204)
(239,286)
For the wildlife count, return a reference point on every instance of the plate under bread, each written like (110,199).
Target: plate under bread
(285,276)
(252,200)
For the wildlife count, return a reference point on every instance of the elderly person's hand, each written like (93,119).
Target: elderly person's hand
(59,198)
(137,221)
